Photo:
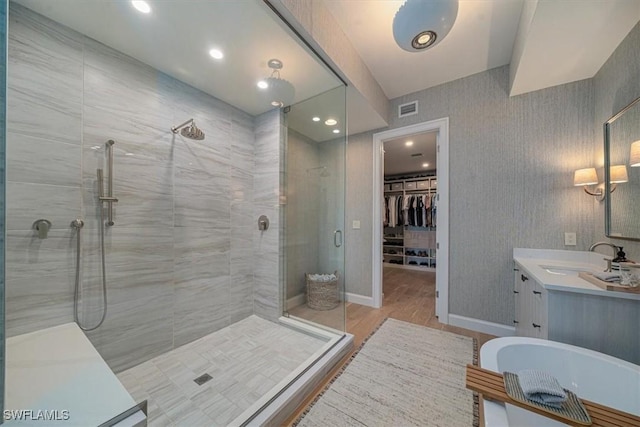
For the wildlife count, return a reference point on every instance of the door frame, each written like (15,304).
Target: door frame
(442,228)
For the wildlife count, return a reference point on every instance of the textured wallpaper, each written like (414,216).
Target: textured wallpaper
(511,165)
(615,86)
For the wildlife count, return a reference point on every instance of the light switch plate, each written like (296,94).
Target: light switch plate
(356,225)
(569,239)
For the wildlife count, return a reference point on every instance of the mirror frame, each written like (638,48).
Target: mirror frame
(607,163)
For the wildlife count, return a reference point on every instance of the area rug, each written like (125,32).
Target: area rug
(403,375)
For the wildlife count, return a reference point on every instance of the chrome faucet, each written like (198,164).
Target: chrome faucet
(612,246)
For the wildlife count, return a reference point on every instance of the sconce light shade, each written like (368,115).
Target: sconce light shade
(618,174)
(586,176)
(634,156)
(420,24)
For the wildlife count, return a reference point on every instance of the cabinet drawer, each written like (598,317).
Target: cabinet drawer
(387,187)
(422,185)
(409,185)
(396,186)
(434,183)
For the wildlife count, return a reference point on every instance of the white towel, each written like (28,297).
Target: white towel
(541,387)
(322,277)
(608,277)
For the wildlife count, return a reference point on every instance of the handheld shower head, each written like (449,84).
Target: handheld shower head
(189,130)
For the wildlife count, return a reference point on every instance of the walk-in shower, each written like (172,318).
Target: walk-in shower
(194,287)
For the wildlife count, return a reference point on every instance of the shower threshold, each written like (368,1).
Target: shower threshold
(250,373)
(276,406)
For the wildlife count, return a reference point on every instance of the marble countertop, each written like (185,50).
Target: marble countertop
(57,369)
(537,262)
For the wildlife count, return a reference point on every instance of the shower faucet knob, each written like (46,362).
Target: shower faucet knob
(42,226)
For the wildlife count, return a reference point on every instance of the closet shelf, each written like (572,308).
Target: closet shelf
(419,236)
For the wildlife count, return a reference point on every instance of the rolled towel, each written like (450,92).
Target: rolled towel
(608,277)
(322,277)
(541,387)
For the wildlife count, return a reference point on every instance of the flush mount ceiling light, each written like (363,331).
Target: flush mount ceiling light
(331,122)
(216,54)
(278,92)
(420,24)
(408,143)
(141,6)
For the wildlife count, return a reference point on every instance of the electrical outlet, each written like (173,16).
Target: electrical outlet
(569,239)
(356,225)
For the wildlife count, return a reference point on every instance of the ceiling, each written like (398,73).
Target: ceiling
(481,38)
(555,42)
(176,37)
(400,159)
(543,40)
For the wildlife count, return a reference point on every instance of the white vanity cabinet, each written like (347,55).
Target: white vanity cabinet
(531,314)
(552,302)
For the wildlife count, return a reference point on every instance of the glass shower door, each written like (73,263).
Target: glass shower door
(314,186)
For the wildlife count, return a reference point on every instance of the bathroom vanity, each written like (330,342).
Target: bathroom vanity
(552,302)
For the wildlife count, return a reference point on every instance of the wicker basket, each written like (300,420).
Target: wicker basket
(322,295)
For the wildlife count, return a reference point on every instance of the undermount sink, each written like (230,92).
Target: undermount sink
(564,271)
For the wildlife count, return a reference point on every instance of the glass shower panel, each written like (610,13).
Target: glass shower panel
(314,210)
(3,91)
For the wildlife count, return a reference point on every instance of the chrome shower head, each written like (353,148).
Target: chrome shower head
(189,130)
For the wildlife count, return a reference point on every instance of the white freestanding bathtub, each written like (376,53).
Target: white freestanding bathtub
(590,375)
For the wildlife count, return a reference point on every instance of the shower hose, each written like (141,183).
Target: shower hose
(78,224)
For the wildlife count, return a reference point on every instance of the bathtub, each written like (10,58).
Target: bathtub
(590,375)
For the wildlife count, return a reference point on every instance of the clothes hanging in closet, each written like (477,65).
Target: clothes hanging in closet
(416,210)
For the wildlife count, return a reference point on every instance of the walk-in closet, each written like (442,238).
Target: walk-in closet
(410,202)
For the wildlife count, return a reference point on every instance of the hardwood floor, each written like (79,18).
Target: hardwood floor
(409,295)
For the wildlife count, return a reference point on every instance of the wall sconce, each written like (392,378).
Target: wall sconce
(634,155)
(589,176)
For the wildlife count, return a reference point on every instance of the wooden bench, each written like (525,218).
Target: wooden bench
(491,385)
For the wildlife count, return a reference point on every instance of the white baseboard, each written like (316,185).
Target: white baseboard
(354,298)
(359,299)
(296,301)
(483,326)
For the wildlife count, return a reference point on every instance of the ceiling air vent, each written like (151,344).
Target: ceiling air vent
(416,155)
(408,109)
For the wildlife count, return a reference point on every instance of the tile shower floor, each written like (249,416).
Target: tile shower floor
(245,360)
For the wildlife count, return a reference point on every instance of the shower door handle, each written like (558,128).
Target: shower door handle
(337,242)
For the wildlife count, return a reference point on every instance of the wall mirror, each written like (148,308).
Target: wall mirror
(622,173)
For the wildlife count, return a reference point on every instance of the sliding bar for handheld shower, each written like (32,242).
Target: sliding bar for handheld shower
(109,199)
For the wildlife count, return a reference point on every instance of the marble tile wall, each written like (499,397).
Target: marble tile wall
(268,251)
(180,258)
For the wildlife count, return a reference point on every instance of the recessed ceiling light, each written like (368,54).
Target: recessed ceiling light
(425,165)
(336,131)
(278,104)
(216,54)
(262,84)
(331,122)
(316,119)
(141,6)
(408,143)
